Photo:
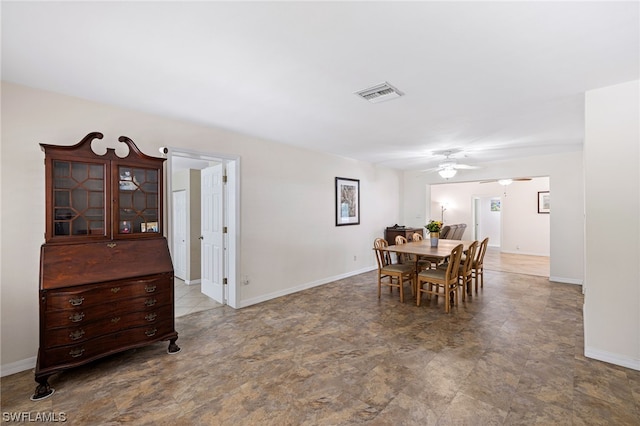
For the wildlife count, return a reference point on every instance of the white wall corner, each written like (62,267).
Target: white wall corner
(612,358)
(18,366)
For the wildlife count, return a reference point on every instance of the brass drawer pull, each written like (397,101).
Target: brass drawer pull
(75,335)
(115,289)
(150,288)
(75,353)
(77,317)
(150,302)
(111,245)
(150,333)
(115,320)
(77,301)
(151,317)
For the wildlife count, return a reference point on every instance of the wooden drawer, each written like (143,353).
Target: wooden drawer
(91,349)
(83,332)
(83,296)
(88,314)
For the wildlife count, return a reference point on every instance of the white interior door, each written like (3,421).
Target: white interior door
(489,223)
(180,234)
(231,245)
(212,222)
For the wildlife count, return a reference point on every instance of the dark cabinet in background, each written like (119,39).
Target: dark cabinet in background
(391,232)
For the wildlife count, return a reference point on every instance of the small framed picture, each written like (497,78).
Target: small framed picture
(544,202)
(125,227)
(149,227)
(347,201)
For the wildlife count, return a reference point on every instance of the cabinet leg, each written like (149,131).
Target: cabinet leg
(173,348)
(43,390)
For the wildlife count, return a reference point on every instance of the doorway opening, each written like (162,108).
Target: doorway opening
(487,219)
(511,220)
(203,219)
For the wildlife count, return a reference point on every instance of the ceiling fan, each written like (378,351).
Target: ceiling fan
(506,182)
(449,167)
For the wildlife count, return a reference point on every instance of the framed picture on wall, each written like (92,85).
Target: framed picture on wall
(347,201)
(544,202)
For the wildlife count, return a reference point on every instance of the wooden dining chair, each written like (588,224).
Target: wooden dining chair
(465,269)
(419,262)
(404,257)
(426,261)
(441,282)
(477,267)
(397,273)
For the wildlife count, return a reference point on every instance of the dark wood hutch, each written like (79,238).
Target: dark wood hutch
(391,232)
(106,276)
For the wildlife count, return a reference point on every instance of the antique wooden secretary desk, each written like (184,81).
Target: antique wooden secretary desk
(106,276)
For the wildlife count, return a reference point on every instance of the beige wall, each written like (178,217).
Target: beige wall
(566,222)
(612,189)
(288,237)
(524,231)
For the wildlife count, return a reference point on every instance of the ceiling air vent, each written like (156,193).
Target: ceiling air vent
(379,93)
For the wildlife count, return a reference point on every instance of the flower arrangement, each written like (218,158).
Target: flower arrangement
(434,226)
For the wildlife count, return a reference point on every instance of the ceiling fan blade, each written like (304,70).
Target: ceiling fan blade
(433,169)
(513,179)
(465,167)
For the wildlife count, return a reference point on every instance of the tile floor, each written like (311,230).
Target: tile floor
(189,299)
(338,355)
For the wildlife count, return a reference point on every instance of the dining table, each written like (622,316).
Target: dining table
(423,248)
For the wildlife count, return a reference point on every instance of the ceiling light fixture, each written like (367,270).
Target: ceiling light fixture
(447,172)
(505,182)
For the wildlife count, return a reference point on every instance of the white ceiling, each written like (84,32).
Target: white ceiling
(494,79)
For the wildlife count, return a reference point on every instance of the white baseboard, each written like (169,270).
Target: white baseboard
(192,282)
(17,366)
(566,280)
(612,358)
(302,287)
(524,253)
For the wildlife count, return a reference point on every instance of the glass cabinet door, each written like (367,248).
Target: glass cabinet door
(138,201)
(78,199)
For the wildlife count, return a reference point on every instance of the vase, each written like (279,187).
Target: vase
(434,239)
